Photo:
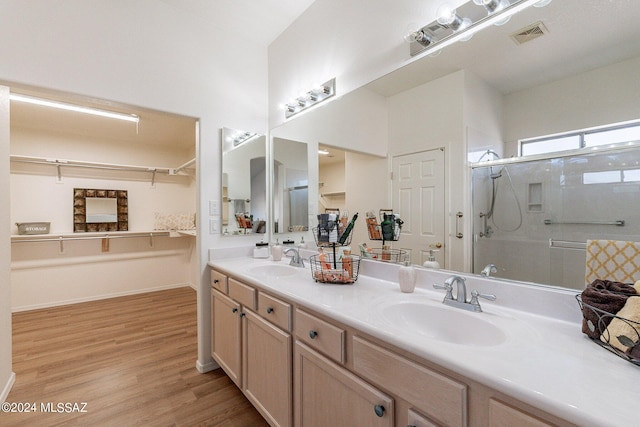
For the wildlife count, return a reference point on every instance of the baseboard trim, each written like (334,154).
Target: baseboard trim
(7,387)
(102,296)
(211,365)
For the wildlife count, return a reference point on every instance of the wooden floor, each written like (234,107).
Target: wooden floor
(130,359)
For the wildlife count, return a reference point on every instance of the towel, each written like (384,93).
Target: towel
(613,259)
(625,324)
(605,295)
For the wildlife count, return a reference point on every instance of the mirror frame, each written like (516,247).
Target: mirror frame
(80,224)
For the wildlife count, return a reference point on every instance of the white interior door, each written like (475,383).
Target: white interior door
(418,196)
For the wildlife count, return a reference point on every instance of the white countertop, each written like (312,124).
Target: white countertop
(544,360)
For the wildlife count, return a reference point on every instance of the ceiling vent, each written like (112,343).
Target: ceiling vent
(529,33)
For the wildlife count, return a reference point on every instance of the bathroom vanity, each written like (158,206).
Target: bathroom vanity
(313,354)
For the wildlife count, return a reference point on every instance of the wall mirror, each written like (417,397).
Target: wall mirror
(516,76)
(97,210)
(290,194)
(244,182)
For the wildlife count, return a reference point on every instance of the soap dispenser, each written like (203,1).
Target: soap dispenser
(407,277)
(276,251)
(431,262)
(302,244)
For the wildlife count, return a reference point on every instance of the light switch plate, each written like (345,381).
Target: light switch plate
(214,207)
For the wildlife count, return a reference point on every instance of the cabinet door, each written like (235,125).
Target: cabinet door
(226,327)
(329,395)
(268,369)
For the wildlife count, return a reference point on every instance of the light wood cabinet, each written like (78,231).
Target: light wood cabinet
(219,281)
(226,344)
(434,394)
(322,336)
(267,369)
(329,395)
(308,370)
(254,353)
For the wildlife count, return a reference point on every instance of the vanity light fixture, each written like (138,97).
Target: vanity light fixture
(459,24)
(310,98)
(242,137)
(72,107)
(323,152)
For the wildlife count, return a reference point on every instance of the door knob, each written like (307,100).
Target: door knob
(438,245)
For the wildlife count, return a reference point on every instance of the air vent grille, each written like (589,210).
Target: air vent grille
(529,33)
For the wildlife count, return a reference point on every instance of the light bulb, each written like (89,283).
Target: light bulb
(418,36)
(446,14)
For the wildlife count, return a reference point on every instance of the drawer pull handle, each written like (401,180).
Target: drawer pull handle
(379,410)
(216,281)
(235,310)
(242,314)
(313,334)
(269,310)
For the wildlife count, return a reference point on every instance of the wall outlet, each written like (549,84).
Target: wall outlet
(214,226)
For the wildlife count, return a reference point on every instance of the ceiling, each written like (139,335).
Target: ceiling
(582,35)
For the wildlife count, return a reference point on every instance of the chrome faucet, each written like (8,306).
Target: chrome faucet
(461,290)
(460,300)
(296,259)
(490,268)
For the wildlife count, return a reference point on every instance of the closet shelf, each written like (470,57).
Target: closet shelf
(104,236)
(334,194)
(60,163)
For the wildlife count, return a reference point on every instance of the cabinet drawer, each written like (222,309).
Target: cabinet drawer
(501,415)
(440,398)
(416,419)
(320,335)
(275,311)
(244,294)
(219,281)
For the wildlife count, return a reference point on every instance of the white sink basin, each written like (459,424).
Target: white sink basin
(273,270)
(447,324)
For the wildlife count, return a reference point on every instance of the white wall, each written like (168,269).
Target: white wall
(354,41)
(432,116)
(602,96)
(149,54)
(6,375)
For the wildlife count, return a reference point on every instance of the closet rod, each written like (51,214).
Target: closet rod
(106,236)
(92,165)
(184,166)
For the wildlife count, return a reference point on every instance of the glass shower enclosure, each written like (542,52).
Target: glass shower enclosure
(532,216)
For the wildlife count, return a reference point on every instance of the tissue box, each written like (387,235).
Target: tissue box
(33,227)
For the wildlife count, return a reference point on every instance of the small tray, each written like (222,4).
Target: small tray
(326,269)
(603,319)
(386,255)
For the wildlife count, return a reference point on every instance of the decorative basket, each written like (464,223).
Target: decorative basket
(378,231)
(327,268)
(598,322)
(322,235)
(386,255)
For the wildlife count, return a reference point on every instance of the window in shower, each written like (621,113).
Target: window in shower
(604,135)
